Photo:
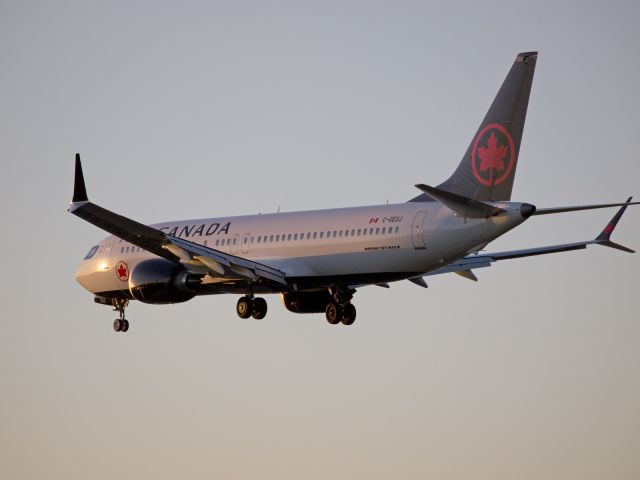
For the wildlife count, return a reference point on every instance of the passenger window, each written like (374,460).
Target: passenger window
(277,238)
(353,232)
(121,251)
(397,229)
(359,232)
(371,231)
(334,233)
(295,237)
(271,238)
(384,230)
(314,235)
(289,237)
(321,235)
(346,233)
(378,231)
(217,242)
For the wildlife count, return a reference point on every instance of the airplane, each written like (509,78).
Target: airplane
(317,260)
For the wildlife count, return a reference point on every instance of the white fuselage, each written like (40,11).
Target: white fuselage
(388,242)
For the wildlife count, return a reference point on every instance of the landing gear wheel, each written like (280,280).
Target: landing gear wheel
(120,324)
(244,307)
(259,308)
(348,314)
(333,313)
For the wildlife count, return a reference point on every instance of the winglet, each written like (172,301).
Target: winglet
(605,236)
(79,190)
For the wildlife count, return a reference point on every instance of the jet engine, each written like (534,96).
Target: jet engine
(160,281)
(306,302)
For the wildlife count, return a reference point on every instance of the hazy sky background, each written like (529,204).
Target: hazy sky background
(197,109)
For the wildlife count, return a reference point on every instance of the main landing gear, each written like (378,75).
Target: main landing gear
(340,309)
(249,306)
(120,324)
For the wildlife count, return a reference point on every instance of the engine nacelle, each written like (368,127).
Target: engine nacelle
(160,281)
(306,302)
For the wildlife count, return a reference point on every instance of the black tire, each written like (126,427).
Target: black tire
(244,307)
(259,308)
(333,313)
(348,314)
(117,325)
(125,326)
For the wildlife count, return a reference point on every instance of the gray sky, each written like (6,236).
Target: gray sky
(196,109)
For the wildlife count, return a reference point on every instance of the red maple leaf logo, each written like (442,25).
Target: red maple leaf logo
(492,156)
(122,272)
(608,230)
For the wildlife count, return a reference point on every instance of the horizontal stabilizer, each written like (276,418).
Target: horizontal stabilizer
(464,206)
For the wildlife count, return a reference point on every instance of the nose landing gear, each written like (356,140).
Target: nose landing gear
(120,324)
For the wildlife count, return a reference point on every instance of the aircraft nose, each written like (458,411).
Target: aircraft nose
(82,275)
(526,210)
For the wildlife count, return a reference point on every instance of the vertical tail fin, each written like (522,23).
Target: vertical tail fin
(488,167)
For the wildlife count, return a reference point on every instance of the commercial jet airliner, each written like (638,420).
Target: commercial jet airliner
(316,260)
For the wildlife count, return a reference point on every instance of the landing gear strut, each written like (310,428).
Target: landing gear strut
(340,309)
(120,324)
(249,306)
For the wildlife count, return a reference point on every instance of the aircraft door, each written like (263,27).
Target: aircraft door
(417,229)
(245,242)
(235,244)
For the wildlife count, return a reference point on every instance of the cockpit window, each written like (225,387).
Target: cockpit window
(92,252)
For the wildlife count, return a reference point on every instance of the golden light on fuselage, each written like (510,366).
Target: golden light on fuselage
(103,266)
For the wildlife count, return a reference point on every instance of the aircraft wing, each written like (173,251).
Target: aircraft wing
(465,265)
(195,258)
